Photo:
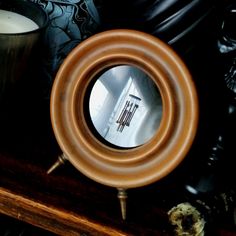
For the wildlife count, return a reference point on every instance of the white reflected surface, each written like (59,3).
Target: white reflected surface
(125,106)
(12,23)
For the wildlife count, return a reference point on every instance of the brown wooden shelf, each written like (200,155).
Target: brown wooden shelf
(68,203)
(48,217)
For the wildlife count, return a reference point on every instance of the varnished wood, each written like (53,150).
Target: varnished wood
(50,218)
(133,167)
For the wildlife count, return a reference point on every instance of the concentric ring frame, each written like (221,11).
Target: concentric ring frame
(142,165)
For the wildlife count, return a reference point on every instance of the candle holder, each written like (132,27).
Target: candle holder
(21,24)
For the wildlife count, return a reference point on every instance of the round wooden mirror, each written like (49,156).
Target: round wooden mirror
(101,134)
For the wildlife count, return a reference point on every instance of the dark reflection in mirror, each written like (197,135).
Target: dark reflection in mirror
(125,106)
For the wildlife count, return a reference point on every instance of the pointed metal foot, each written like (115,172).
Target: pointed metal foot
(60,161)
(122,196)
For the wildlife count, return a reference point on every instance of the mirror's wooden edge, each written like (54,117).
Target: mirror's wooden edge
(80,142)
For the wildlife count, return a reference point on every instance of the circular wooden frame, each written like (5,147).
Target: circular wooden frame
(147,163)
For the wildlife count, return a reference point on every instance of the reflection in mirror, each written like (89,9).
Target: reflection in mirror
(125,106)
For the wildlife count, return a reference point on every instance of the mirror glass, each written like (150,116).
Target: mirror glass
(125,106)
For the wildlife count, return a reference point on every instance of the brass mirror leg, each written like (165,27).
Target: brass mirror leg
(60,161)
(122,196)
